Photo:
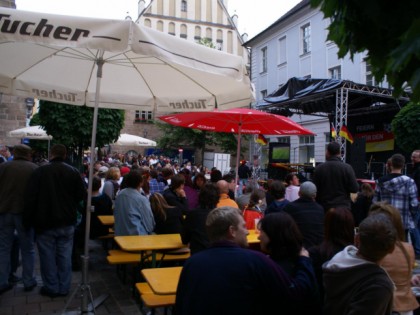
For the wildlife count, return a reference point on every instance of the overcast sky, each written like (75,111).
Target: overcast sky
(254,16)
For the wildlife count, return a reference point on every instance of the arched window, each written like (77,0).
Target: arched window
(171,28)
(209,34)
(183,31)
(219,41)
(184,6)
(197,35)
(147,23)
(159,26)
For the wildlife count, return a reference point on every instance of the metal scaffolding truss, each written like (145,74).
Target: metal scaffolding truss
(342,105)
(342,97)
(367,88)
(336,100)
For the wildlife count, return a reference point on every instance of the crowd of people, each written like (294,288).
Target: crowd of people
(327,245)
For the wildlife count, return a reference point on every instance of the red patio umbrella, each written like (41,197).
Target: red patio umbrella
(239,121)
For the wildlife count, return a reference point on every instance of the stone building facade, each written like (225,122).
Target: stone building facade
(194,20)
(12,109)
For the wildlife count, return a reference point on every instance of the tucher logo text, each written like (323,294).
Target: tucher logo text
(42,28)
(70,97)
(200,104)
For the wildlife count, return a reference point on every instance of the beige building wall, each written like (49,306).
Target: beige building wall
(202,19)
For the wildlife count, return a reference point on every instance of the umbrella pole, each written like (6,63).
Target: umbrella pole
(238,152)
(84,287)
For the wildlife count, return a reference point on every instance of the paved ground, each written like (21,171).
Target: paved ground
(102,279)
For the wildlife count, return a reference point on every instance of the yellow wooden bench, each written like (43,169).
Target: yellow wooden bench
(143,288)
(118,257)
(122,258)
(152,300)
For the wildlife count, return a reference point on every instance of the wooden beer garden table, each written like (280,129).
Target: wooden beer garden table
(253,237)
(106,219)
(164,280)
(146,244)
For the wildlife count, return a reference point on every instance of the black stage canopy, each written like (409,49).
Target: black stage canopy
(320,97)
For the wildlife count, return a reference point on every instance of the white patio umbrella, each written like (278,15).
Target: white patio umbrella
(31,132)
(62,59)
(126,139)
(56,58)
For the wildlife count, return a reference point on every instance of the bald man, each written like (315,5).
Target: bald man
(224,199)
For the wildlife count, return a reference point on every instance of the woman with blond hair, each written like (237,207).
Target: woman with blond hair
(399,264)
(111,184)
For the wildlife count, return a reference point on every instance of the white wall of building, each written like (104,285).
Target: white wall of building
(283,43)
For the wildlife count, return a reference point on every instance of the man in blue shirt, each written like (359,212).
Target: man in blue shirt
(133,215)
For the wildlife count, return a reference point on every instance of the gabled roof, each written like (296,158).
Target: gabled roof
(284,17)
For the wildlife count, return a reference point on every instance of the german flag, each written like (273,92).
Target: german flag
(333,132)
(345,133)
(261,140)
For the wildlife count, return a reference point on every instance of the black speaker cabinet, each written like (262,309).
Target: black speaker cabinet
(356,156)
(276,172)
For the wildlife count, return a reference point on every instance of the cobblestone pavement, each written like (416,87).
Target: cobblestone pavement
(102,279)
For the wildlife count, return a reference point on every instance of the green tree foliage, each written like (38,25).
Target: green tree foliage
(228,141)
(72,125)
(206,42)
(390,32)
(175,137)
(405,127)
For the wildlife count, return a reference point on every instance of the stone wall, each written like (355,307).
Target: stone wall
(12,109)
(12,116)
